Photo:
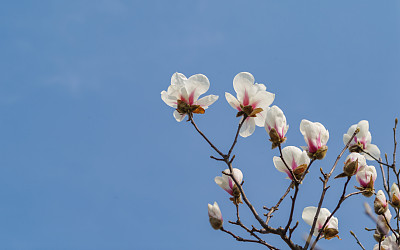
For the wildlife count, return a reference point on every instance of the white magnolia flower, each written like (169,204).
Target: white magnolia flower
(276,120)
(183,94)
(215,215)
(362,139)
(395,195)
(331,228)
(389,243)
(252,100)
(366,176)
(316,137)
(353,163)
(380,203)
(226,182)
(295,158)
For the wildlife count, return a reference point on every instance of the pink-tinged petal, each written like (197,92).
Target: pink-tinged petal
(374,151)
(178,79)
(170,101)
(262,99)
(206,101)
(232,101)
(195,86)
(243,83)
(248,127)
(178,116)
(279,165)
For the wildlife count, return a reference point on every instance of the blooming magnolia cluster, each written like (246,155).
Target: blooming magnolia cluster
(252,103)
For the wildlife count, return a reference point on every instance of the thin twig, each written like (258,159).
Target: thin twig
(274,208)
(377,160)
(236,136)
(296,191)
(238,238)
(325,188)
(358,242)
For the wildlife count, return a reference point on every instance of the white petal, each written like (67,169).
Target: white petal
(374,151)
(196,85)
(170,101)
(364,128)
(278,163)
(207,101)
(179,117)
(232,101)
(243,83)
(260,118)
(178,79)
(346,139)
(248,127)
(308,215)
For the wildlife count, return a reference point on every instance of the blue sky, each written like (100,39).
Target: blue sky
(93,159)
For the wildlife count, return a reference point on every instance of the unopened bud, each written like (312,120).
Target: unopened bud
(355,148)
(350,167)
(378,236)
(320,154)
(214,213)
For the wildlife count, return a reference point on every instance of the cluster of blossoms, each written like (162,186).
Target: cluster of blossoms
(252,103)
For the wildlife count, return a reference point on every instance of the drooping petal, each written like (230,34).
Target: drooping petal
(178,116)
(232,101)
(196,85)
(374,151)
(206,101)
(248,127)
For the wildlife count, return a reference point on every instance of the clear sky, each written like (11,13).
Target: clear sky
(92,159)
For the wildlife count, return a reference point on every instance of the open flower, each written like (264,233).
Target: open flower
(331,229)
(251,102)
(353,163)
(366,176)
(296,159)
(316,137)
(395,195)
(380,203)
(214,213)
(275,124)
(362,140)
(227,184)
(183,94)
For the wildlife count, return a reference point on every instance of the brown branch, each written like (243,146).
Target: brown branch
(296,191)
(238,238)
(205,137)
(377,160)
(325,188)
(274,208)
(358,242)
(395,142)
(236,136)
(341,200)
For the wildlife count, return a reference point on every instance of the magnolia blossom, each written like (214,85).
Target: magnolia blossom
(362,140)
(366,176)
(316,137)
(395,195)
(214,213)
(389,243)
(183,94)
(226,182)
(252,102)
(275,124)
(331,228)
(380,203)
(295,158)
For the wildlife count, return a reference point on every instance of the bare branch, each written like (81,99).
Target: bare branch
(358,242)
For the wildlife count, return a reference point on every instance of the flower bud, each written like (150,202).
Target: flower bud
(381,225)
(214,213)
(275,125)
(316,137)
(395,195)
(380,203)
(226,182)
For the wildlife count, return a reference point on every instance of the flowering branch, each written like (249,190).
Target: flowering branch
(325,188)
